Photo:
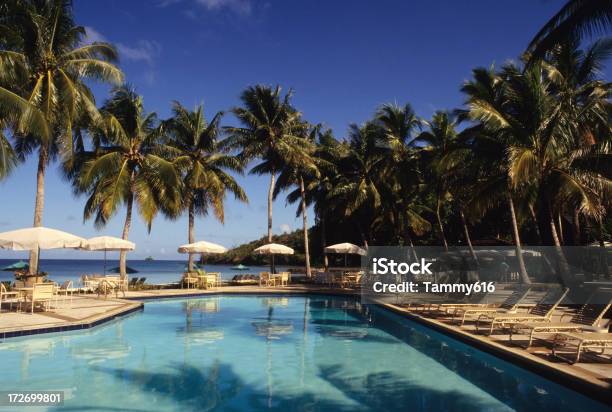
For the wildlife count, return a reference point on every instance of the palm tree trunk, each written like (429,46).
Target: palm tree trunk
(324,242)
(535,222)
(190,235)
(577,227)
(126,229)
(564,266)
(364,239)
(270,197)
(39,205)
(305,223)
(553,231)
(467,235)
(408,240)
(440,227)
(560,228)
(517,241)
(602,244)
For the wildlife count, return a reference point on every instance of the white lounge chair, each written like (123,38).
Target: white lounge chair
(6,296)
(42,293)
(64,291)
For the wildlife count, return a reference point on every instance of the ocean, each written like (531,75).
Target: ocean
(156,271)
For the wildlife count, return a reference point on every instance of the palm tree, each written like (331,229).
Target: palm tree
(401,183)
(318,186)
(8,157)
(575,77)
(438,141)
(268,131)
(302,168)
(203,163)
(485,98)
(357,191)
(127,166)
(576,19)
(43,65)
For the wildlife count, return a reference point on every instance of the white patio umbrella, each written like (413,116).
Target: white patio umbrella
(347,249)
(37,238)
(108,244)
(273,249)
(202,247)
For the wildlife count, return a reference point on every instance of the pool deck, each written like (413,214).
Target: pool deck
(591,377)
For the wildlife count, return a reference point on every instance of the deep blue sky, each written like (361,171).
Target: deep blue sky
(343,58)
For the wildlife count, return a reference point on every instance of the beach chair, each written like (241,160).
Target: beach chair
(510,305)
(190,279)
(283,278)
(460,300)
(212,279)
(586,319)
(133,283)
(89,284)
(351,279)
(266,279)
(42,293)
(583,342)
(9,297)
(64,290)
(541,312)
(110,284)
(141,283)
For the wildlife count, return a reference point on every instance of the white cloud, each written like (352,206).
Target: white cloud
(285,228)
(244,7)
(92,35)
(145,50)
(238,6)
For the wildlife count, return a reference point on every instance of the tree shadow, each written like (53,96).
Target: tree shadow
(354,334)
(187,385)
(386,391)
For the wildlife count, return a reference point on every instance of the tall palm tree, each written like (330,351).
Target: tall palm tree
(203,164)
(544,146)
(576,80)
(127,166)
(485,98)
(576,19)
(438,141)
(267,131)
(43,65)
(318,186)
(302,168)
(402,181)
(358,188)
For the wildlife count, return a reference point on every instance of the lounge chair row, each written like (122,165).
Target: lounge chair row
(583,330)
(338,278)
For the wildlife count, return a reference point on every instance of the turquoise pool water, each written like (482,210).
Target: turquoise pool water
(272,353)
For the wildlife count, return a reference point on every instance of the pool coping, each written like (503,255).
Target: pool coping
(86,323)
(589,386)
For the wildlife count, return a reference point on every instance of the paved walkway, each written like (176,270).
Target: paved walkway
(84,310)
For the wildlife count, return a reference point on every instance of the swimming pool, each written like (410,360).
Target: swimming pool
(272,352)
